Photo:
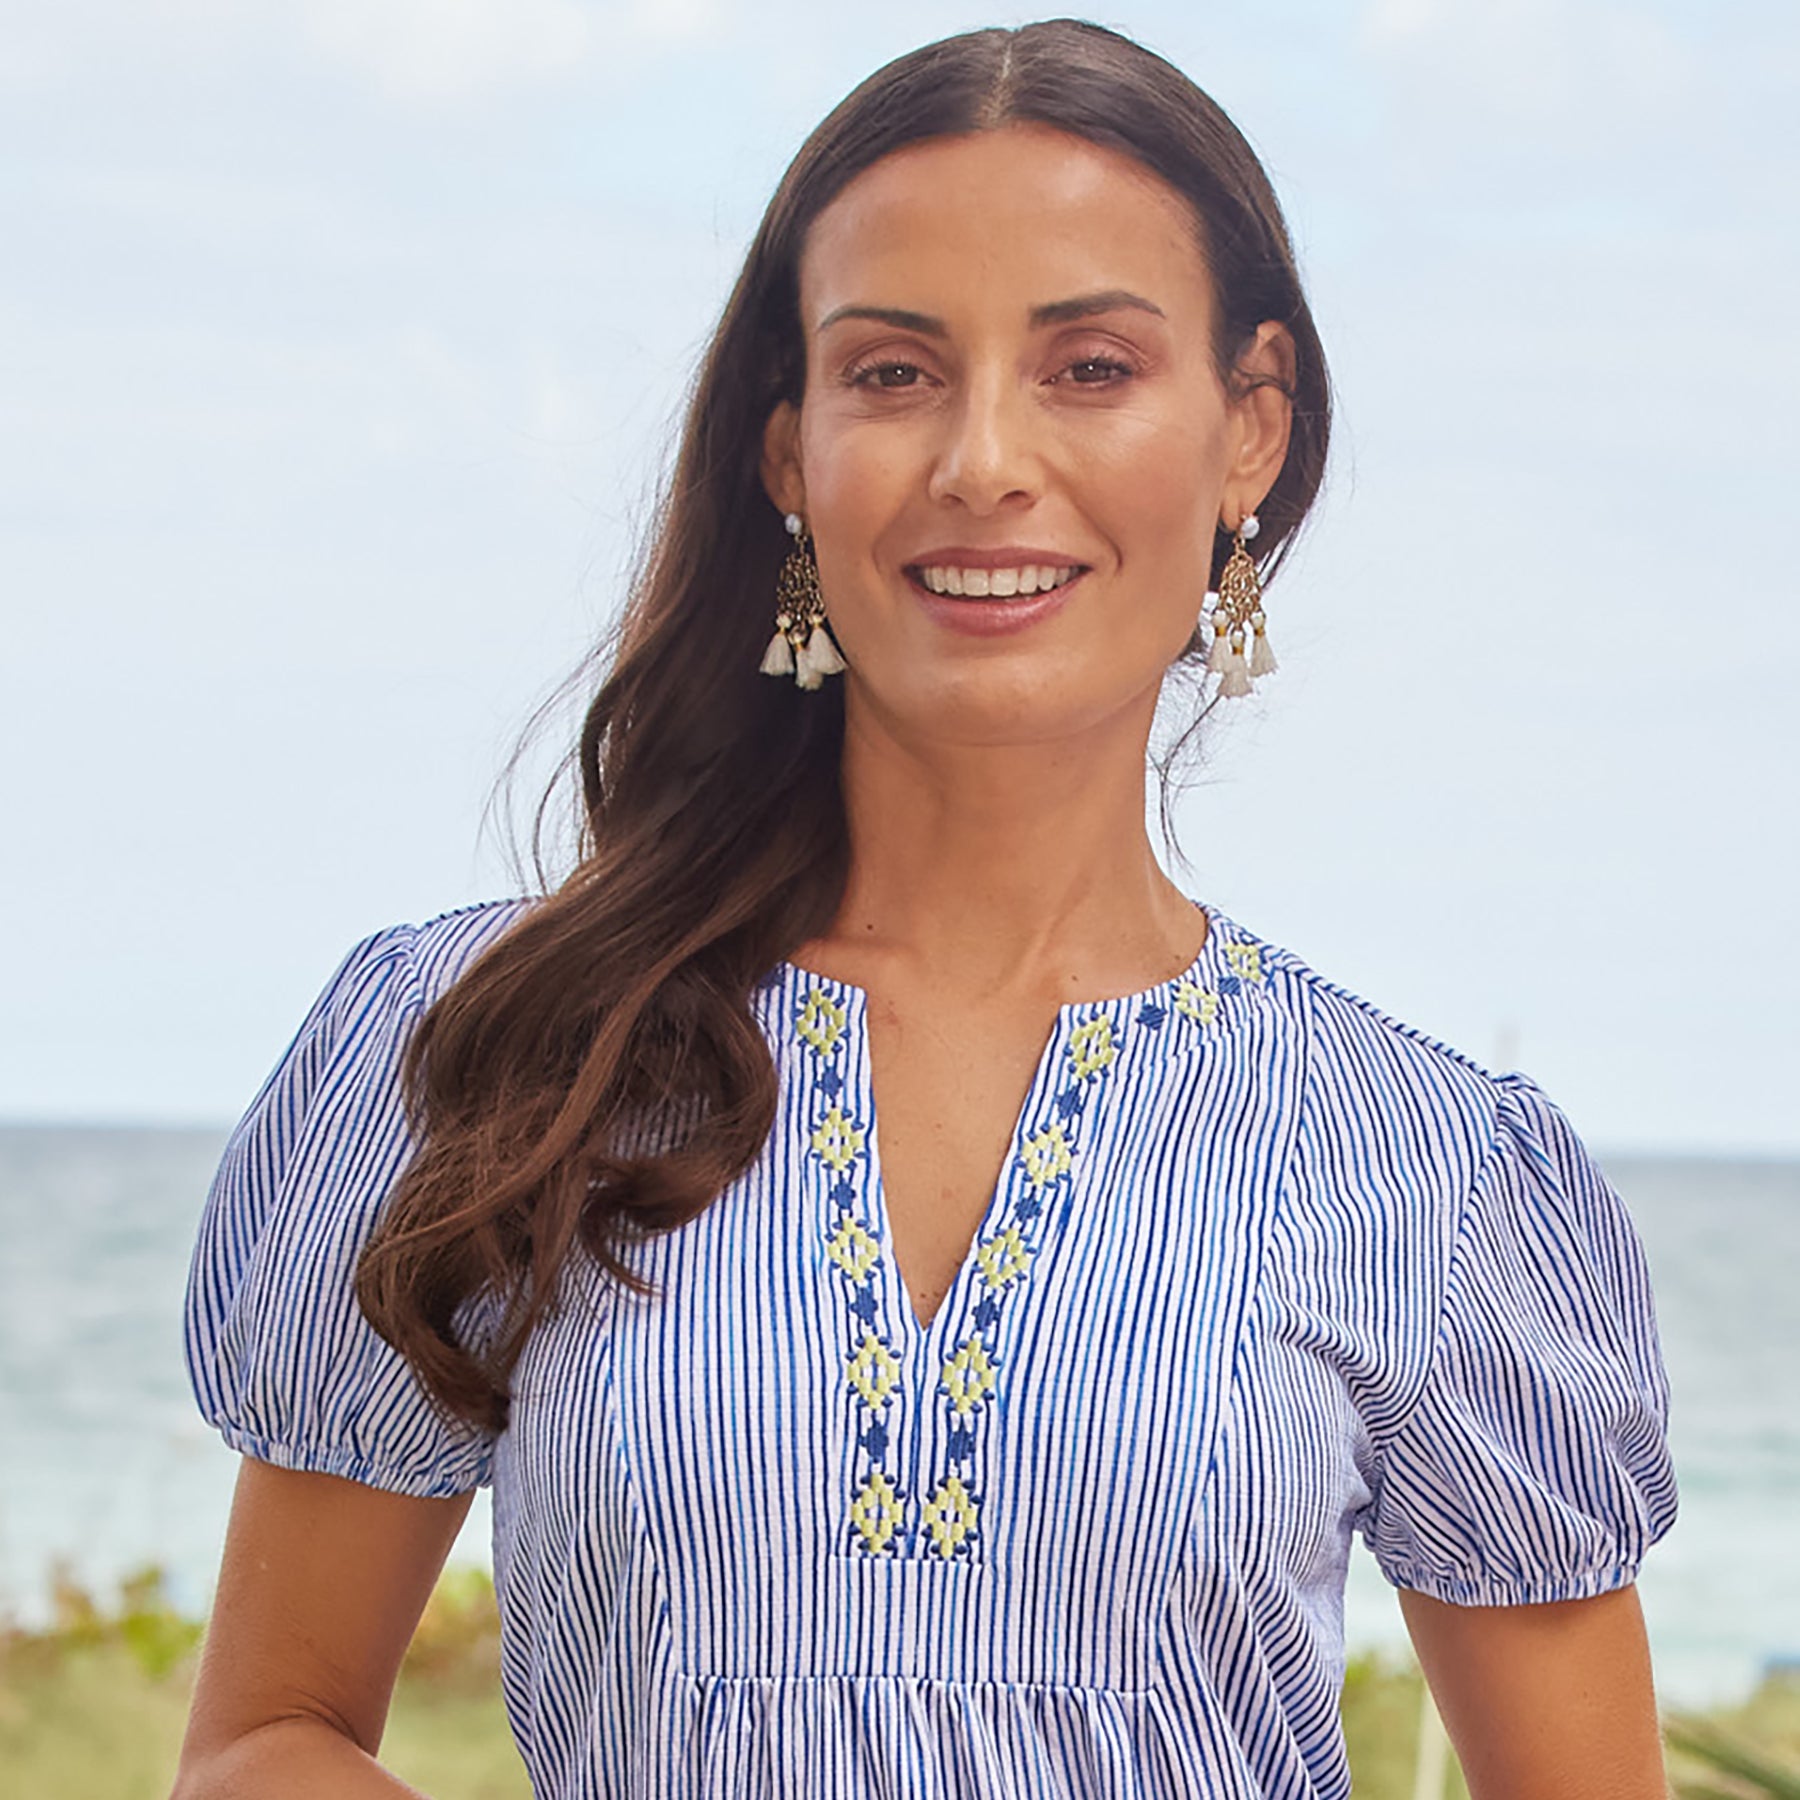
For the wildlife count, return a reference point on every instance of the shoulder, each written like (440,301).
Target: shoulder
(345,1058)
(1385,1105)
(411,965)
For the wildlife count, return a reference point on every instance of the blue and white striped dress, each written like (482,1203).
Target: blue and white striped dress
(1264,1268)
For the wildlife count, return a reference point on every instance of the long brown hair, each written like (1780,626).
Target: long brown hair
(597,1073)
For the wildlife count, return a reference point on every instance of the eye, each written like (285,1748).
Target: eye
(1097,371)
(885,375)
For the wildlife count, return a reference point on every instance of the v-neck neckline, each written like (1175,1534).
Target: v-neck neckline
(922,1399)
(1034,1119)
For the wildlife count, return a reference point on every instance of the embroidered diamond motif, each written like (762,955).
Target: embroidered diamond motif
(873,1370)
(969,1376)
(837,1140)
(1046,1156)
(1151,1016)
(1245,960)
(950,1515)
(852,1249)
(875,1512)
(821,1022)
(1198,1003)
(1003,1258)
(1091,1047)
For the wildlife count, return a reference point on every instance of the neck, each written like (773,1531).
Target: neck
(1007,869)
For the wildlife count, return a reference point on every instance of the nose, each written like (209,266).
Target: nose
(988,456)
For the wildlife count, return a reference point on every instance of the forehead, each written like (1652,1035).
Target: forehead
(1025,212)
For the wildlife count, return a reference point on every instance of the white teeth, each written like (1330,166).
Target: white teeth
(1002,584)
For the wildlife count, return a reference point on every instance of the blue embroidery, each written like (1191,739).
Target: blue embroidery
(944,1518)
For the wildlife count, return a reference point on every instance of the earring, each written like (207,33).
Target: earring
(1237,619)
(801,646)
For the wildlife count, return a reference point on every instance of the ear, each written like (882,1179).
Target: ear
(781,477)
(1264,416)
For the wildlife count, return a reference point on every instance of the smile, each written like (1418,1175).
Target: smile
(989,599)
(998,584)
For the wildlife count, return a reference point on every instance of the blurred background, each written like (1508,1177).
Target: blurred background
(340,347)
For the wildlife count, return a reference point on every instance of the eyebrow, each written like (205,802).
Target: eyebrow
(1053,312)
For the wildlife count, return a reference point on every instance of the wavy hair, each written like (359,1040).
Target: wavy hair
(597,1074)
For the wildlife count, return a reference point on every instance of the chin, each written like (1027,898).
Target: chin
(989,707)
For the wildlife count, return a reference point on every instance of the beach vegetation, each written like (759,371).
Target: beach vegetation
(93,1701)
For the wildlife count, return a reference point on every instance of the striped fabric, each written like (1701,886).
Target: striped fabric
(1264,1269)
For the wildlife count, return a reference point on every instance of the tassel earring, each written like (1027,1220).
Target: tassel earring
(1240,649)
(801,646)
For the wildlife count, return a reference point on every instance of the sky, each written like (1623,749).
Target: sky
(341,343)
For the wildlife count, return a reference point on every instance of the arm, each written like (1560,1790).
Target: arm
(1546,1702)
(322,1585)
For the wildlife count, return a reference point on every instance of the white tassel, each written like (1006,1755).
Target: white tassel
(778,659)
(1234,680)
(806,663)
(1218,658)
(826,657)
(817,658)
(1262,657)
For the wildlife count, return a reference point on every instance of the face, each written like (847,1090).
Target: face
(1014,444)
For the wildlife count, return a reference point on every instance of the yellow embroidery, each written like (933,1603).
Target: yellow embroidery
(969,1376)
(1091,1047)
(875,1513)
(950,1515)
(1003,1258)
(821,1022)
(1245,960)
(1200,1004)
(873,1370)
(852,1249)
(1046,1156)
(837,1140)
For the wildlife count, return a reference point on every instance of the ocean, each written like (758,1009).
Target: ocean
(107,1466)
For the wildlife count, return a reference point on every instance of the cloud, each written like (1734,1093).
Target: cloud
(452,49)
(1559,67)
(422,52)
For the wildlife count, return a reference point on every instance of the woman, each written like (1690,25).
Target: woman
(1016,1447)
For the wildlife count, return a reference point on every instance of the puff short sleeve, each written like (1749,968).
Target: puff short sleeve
(1533,1465)
(281,1359)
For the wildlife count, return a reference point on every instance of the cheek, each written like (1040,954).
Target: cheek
(854,475)
(1161,501)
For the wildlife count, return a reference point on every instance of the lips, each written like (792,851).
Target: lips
(1008,595)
